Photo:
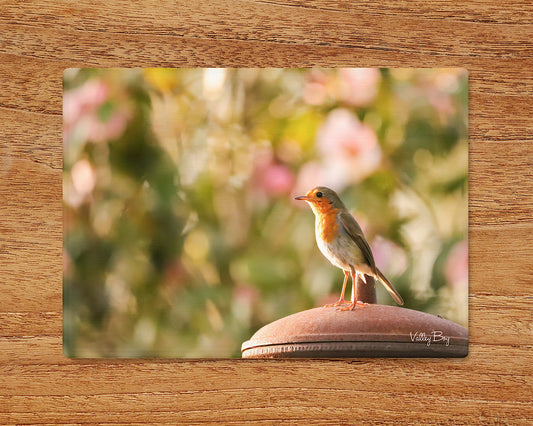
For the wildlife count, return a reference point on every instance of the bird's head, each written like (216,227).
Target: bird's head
(322,198)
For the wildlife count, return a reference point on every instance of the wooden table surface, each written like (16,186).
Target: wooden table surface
(493,40)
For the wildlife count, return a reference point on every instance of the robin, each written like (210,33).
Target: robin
(340,238)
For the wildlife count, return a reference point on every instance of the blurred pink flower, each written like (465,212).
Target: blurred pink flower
(342,134)
(83,177)
(80,114)
(83,181)
(359,86)
(315,90)
(67,262)
(349,149)
(244,295)
(270,177)
(442,102)
(456,269)
(277,179)
(389,256)
(310,175)
(100,131)
(438,88)
(81,186)
(83,100)
(244,298)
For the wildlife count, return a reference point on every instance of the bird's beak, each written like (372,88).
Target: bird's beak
(303,198)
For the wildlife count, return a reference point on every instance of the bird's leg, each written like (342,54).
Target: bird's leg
(355,302)
(341,300)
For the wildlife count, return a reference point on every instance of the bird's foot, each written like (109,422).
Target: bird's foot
(352,306)
(337,303)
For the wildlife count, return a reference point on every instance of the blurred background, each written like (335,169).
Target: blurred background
(181,235)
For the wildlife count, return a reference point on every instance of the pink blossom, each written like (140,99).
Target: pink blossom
(82,184)
(100,131)
(83,100)
(342,134)
(67,262)
(271,177)
(277,179)
(456,269)
(245,295)
(83,177)
(359,86)
(442,102)
(349,149)
(438,88)
(389,256)
(315,90)
(310,175)
(314,174)
(80,114)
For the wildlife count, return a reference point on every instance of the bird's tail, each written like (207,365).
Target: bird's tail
(390,288)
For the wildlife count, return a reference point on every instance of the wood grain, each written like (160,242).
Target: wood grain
(39,39)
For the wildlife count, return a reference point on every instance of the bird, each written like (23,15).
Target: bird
(341,240)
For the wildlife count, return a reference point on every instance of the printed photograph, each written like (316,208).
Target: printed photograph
(265,213)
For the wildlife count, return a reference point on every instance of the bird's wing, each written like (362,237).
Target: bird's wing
(353,229)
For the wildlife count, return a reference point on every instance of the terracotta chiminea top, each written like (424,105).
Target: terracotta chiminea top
(369,331)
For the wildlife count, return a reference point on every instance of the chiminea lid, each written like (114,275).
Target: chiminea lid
(369,331)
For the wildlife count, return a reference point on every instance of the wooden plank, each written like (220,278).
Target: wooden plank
(44,148)
(484,12)
(42,38)
(37,90)
(253,22)
(31,233)
(280,405)
(407,376)
(503,77)
(30,324)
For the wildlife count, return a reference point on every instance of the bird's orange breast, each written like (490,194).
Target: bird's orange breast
(327,227)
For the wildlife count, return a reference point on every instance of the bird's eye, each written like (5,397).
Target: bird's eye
(319,194)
